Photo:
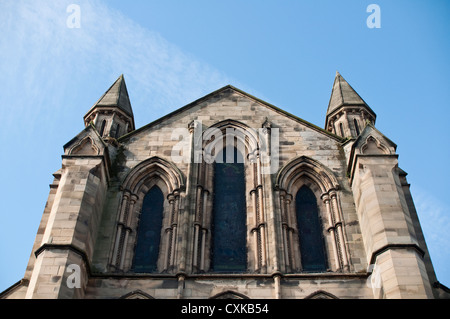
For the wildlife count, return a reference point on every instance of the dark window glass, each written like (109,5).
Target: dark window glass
(149,232)
(356,126)
(102,129)
(341,127)
(229,253)
(310,231)
(117,130)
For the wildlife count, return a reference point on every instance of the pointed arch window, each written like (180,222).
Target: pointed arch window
(341,128)
(149,232)
(102,129)
(356,126)
(229,253)
(311,241)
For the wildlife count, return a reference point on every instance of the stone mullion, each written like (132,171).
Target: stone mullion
(169,233)
(197,226)
(331,230)
(285,230)
(120,225)
(256,212)
(261,220)
(204,231)
(255,229)
(168,252)
(190,197)
(174,230)
(290,217)
(127,229)
(338,225)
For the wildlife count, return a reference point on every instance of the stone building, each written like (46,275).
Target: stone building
(229,197)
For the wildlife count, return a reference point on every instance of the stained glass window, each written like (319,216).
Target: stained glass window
(229,253)
(149,232)
(310,231)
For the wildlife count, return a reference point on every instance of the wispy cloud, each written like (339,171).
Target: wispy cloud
(51,75)
(47,60)
(434,217)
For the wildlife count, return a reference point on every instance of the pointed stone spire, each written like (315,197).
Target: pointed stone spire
(343,94)
(112,114)
(347,112)
(117,95)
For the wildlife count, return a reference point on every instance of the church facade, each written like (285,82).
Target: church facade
(229,197)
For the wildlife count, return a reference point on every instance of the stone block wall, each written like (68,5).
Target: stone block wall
(92,213)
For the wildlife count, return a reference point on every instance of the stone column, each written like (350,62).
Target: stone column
(126,231)
(67,245)
(255,230)
(286,233)
(386,227)
(120,225)
(339,229)
(204,231)
(186,220)
(294,250)
(331,231)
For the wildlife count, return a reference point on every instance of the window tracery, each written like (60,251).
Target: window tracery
(165,184)
(306,172)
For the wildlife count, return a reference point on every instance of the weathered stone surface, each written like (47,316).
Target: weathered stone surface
(373,243)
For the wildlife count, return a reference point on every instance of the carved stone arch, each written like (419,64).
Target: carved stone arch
(373,146)
(86,146)
(150,168)
(323,183)
(314,170)
(137,294)
(248,142)
(321,294)
(229,294)
(152,172)
(246,136)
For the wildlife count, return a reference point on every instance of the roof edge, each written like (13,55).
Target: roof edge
(229,86)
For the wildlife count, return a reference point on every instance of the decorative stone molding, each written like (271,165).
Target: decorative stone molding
(154,171)
(374,146)
(86,146)
(291,177)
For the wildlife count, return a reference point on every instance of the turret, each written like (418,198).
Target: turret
(112,115)
(347,113)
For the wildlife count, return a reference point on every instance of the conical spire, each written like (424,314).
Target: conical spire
(347,112)
(112,114)
(116,96)
(343,94)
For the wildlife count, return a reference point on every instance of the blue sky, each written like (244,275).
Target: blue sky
(173,52)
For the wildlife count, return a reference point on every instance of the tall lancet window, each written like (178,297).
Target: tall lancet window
(149,232)
(312,248)
(102,129)
(229,252)
(356,126)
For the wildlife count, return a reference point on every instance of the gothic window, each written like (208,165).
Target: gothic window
(229,253)
(356,126)
(341,128)
(102,129)
(117,135)
(311,241)
(149,232)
